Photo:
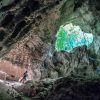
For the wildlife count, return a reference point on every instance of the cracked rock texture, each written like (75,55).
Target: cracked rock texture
(27,36)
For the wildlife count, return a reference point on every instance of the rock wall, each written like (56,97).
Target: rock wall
(27,27)
(17,18)
(25,24)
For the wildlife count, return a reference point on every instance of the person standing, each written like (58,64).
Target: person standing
(25,77)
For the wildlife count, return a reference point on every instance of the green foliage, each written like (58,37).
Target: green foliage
(70,37)
(61,39)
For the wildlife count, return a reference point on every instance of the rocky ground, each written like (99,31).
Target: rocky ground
(27,37)
(71,88)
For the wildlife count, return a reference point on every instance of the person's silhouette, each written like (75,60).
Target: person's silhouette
(25,76)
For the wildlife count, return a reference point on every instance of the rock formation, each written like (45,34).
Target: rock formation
(28,29)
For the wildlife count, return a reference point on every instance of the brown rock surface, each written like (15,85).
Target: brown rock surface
(11,71)
(21,57)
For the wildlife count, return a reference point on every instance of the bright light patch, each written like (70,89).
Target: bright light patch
(71,36)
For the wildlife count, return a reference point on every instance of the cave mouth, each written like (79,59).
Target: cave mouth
(71,36)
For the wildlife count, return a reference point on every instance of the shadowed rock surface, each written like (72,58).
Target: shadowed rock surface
(69,89)
(27,37)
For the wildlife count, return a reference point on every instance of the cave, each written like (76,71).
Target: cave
(49,50)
